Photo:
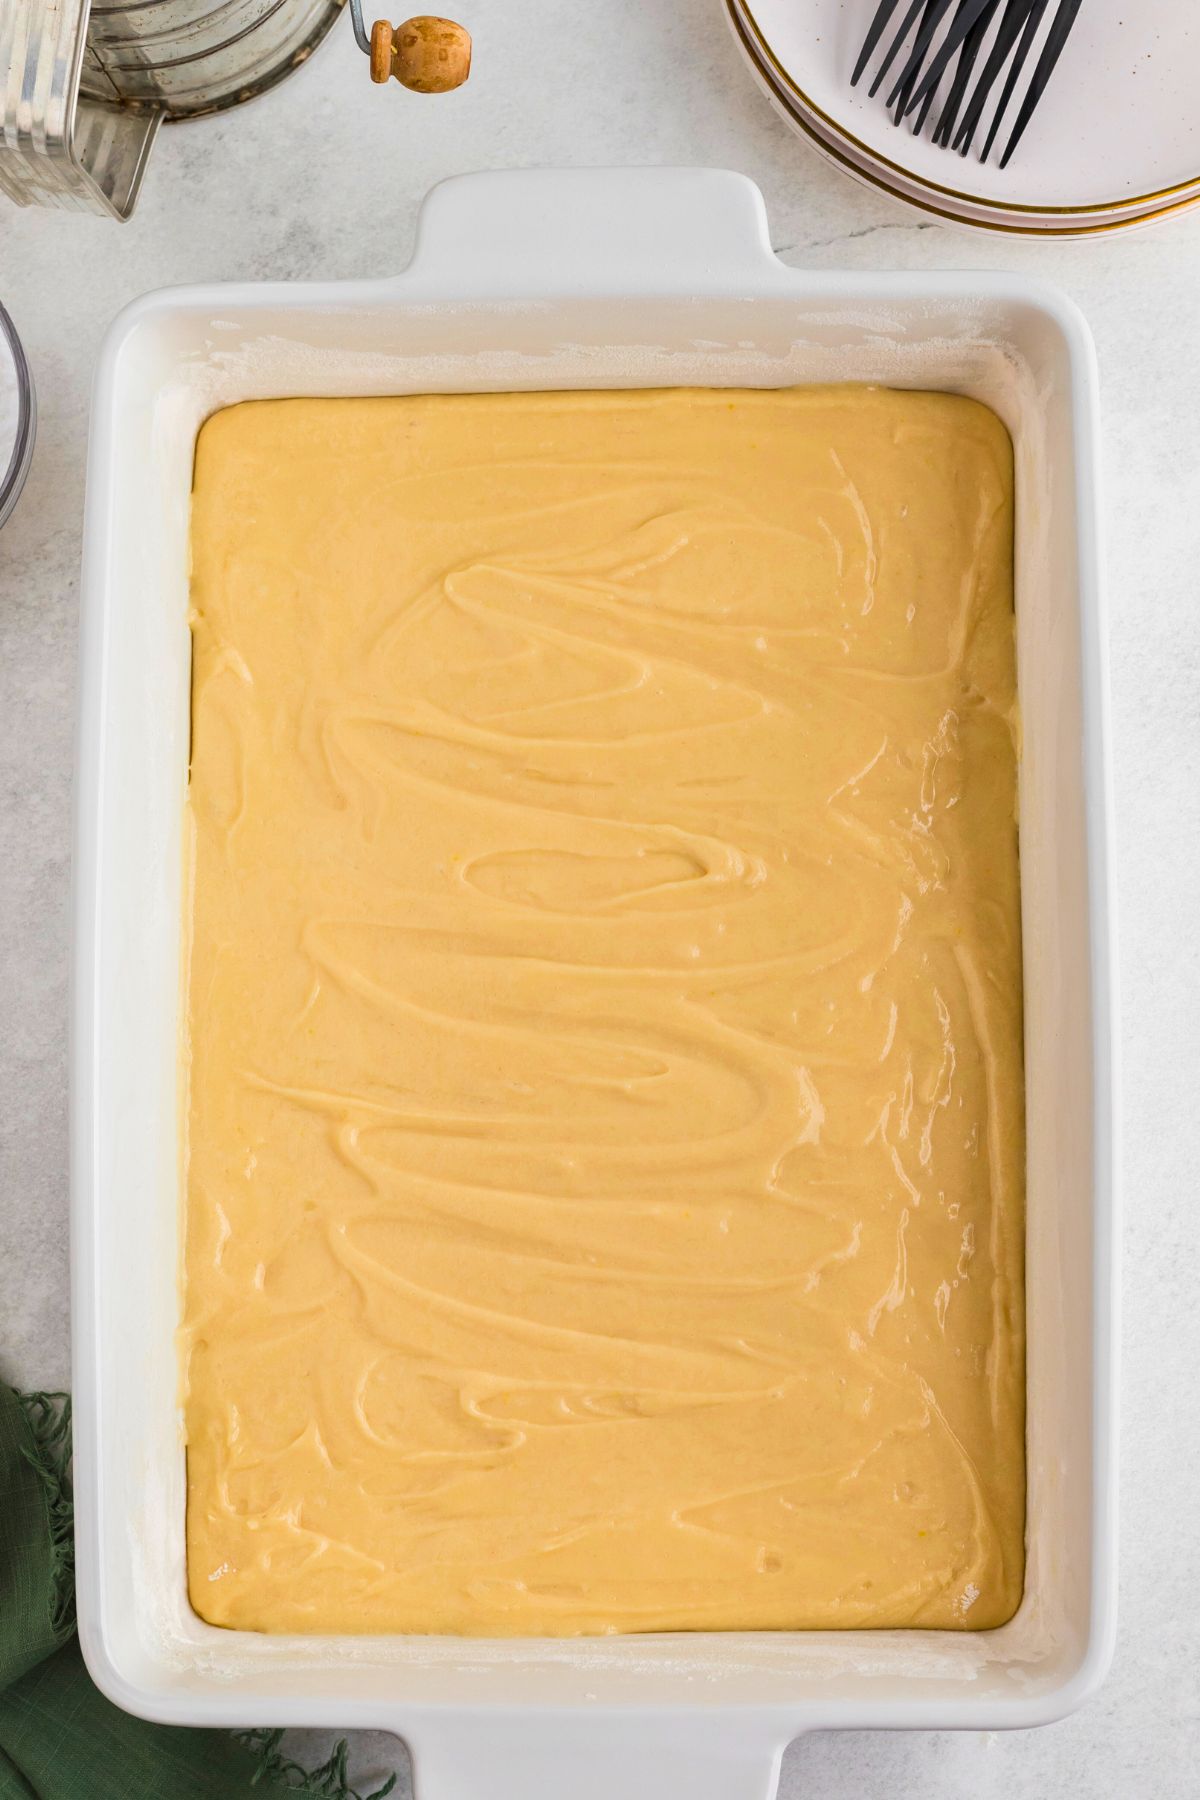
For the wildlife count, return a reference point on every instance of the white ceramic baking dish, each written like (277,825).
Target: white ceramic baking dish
(543,280)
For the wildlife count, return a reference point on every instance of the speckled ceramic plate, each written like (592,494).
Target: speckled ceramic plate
(1117,132)
(850,153)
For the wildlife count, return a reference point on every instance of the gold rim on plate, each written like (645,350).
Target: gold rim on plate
(1093,229)
(794,88)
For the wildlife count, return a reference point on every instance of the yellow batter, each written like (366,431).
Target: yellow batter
(604,1195)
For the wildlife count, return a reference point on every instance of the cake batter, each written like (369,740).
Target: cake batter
(605,1155)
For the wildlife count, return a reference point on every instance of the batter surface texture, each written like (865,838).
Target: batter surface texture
(605,1165)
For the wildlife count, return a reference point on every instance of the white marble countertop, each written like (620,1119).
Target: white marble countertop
(322,177)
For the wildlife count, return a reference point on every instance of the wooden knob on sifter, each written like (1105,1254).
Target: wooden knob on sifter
(426,55)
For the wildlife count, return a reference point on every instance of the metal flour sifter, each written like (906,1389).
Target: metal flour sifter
(85,84)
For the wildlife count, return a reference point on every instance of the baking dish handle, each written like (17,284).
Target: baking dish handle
(697,1756)
(593,233)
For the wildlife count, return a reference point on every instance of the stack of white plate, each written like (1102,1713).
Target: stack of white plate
(1114,143)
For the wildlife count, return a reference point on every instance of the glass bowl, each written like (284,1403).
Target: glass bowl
(18,416)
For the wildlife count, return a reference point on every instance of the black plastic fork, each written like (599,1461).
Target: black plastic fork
(929,58)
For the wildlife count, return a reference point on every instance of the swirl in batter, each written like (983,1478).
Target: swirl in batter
(605,1175)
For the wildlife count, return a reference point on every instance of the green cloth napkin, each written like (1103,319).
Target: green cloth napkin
(60,1739)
